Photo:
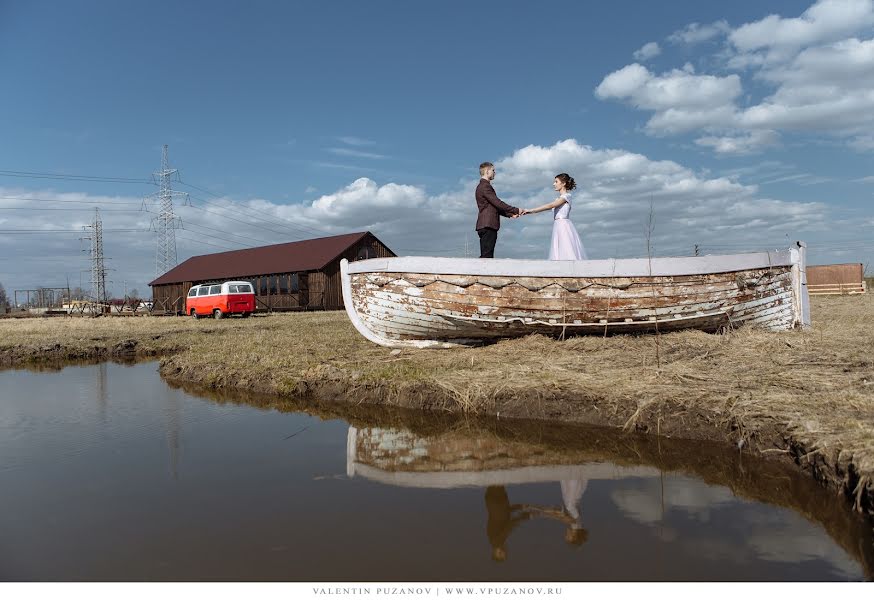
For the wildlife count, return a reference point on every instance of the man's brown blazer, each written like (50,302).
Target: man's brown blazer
(491,208)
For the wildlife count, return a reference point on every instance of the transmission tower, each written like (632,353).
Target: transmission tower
(166,222)
(98,268)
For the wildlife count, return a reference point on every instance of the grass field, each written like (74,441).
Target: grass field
(805,396)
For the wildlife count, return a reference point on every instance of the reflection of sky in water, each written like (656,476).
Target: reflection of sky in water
(108,473)
(752,531)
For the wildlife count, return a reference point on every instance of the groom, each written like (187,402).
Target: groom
(490,208)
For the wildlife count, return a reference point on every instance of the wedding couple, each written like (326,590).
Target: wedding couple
(566,244)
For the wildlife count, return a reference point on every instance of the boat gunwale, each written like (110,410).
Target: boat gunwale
(604,268)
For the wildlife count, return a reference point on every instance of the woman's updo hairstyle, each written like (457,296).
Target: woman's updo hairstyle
(567,180)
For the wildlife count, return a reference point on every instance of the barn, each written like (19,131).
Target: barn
(302,275)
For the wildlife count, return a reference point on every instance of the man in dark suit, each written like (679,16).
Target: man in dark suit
(491,208)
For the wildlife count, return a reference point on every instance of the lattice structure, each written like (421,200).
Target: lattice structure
(166,223)
(98,265)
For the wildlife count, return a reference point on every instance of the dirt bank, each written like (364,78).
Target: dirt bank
(807,397)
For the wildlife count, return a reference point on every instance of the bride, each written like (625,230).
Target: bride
(566,244)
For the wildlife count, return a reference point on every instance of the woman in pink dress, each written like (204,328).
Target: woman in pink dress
(566,244)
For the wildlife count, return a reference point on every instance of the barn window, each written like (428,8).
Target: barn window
(283,284)
(295,283)
(365,252)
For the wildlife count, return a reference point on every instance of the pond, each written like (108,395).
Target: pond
(109,473)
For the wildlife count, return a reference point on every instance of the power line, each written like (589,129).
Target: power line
(91,178)
(90,202)
(79,231)
(295,224)
(127,210)
(182,237)
(297,229)
(188,224)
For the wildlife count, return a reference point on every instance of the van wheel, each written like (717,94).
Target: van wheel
(218,314)
(194,314)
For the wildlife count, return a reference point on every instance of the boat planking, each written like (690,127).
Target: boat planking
(427,302)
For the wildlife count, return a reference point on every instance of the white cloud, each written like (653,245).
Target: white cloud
(825,21)
(610,208)
(682,100)
(744,143)
(816,78)
(695,33)
(351,140)
(354,153)
(647,51)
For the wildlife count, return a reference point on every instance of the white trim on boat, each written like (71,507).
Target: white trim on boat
(614,267)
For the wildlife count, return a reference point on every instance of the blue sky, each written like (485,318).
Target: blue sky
(747,124)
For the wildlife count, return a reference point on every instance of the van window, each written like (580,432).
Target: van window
(192,292)
(215,289)
(203,291)
(239,289)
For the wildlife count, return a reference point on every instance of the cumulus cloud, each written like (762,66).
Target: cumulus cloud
(610,209)
(776,37)
(682,100)
(695,33)
(647,51)
(815,74)
(738,144)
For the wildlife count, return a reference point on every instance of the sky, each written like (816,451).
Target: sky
(736,126)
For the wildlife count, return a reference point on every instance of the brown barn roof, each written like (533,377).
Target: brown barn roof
(305,255)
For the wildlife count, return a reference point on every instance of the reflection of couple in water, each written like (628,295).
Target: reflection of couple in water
(505,517)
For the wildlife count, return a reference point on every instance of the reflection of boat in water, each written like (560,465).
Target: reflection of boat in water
(398,457)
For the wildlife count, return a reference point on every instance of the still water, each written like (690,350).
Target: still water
(108,473)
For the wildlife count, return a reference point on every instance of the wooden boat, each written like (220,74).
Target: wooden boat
(426,302)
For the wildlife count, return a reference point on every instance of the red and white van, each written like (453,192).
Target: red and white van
(220,299)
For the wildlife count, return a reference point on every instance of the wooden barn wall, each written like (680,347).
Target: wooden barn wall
(367,247)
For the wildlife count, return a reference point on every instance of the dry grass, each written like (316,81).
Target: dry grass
(809,393)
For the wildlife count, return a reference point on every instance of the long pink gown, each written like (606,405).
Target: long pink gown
(566,243)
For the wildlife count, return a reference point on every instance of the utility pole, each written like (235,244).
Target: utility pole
(166,222)
(697,250)
(98,268)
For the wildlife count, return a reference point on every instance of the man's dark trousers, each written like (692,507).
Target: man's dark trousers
(487,239)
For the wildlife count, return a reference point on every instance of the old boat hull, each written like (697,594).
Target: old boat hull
(425,302)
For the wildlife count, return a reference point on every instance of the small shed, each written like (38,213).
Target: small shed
(302,275)
(847,278)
